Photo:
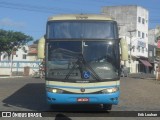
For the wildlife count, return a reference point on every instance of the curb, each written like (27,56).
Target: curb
(10,76)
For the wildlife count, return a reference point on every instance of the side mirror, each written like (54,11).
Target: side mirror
(124,49)
(41,47)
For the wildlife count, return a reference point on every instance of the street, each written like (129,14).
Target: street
(28,94)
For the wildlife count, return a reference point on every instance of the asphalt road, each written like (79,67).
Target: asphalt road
(28,94)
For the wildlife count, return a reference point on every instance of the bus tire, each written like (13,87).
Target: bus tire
(107,106)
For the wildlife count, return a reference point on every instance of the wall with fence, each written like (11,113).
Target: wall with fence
(18,67)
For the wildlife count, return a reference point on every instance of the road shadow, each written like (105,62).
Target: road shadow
(80,108)
(60,116)
(31,96)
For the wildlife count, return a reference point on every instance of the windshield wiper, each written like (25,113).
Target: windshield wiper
(82,64)
(70,72)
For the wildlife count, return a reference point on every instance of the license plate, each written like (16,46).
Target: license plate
(82,99)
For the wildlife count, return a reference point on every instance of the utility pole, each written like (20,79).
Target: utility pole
(130,36)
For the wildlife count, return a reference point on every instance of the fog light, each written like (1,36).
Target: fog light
(54,90)
(110,90)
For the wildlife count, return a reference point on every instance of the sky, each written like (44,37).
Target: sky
(30,16)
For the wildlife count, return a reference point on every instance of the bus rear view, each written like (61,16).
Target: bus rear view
(82,60)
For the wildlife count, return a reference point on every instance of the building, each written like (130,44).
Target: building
(152,46)
(133,26)
(32,52)
(24,53)
(24,61)
(157,39)
(19,55)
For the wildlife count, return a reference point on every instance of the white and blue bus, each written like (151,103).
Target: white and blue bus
(82,60)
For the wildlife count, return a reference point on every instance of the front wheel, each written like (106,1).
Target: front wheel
(107,106)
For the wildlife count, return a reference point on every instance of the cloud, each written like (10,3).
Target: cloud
(10,23)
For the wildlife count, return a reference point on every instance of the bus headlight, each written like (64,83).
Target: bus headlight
(110,90)
(54,90)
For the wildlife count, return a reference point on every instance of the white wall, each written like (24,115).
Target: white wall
(18,56)
(20,53)
(143,28)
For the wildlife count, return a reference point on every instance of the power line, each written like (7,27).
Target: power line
(26,9)
(45,9)
(32,8)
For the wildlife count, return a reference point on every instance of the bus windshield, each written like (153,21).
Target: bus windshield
(81,29)
(67,60)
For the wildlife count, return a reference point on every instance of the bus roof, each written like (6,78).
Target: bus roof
(79,17)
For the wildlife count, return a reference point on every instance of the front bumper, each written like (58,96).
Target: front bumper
(112,98)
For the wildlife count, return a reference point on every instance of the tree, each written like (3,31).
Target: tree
(10,41)
(157,35)
(35,42)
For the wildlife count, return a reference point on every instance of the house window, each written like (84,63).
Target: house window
(142,49)
(133,49)
(4,56)
(24,56)
(139,19)
(138,48)
(143,21)
(139,34)
(142,35)
(25,51)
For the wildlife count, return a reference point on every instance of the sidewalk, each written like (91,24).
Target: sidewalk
(142,76)
(132,75)
(7,76)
